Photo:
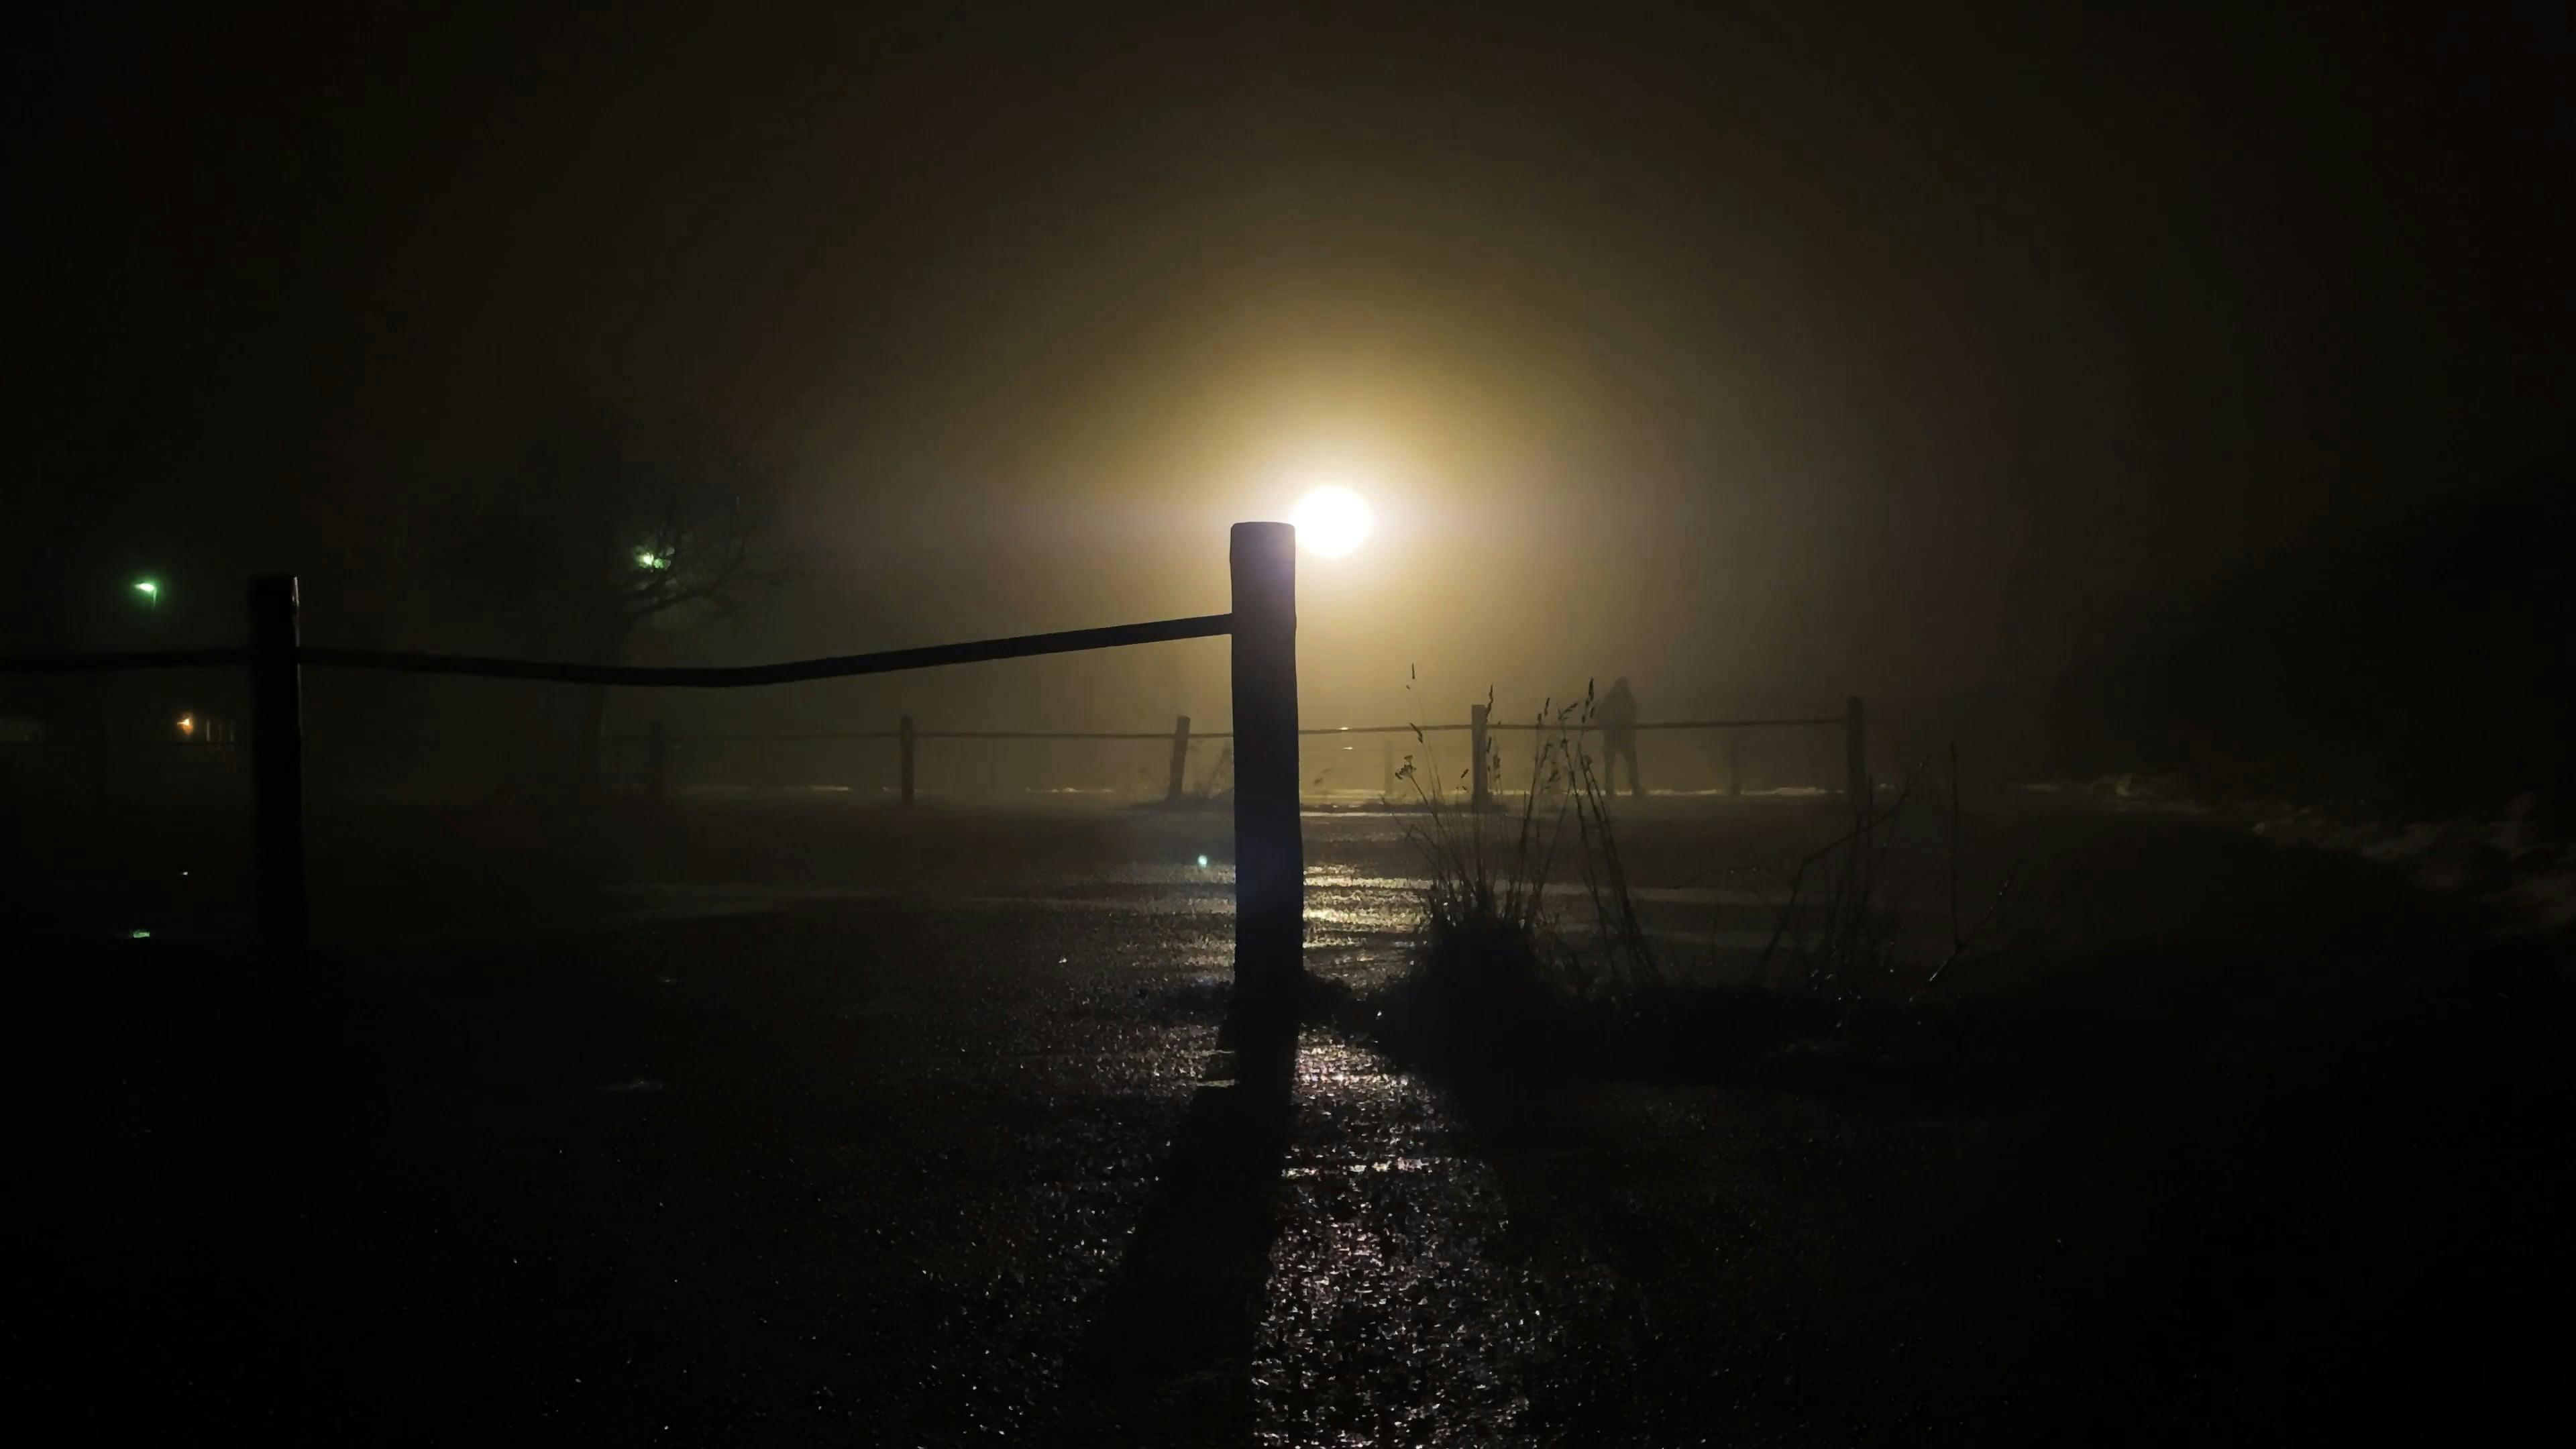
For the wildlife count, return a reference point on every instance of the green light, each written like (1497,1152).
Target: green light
(148,587)
(652,560)
(143,935)
(1202,862)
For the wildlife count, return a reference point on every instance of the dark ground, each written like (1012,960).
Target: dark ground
(814,1123)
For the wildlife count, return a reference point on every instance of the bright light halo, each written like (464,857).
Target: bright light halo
(1332,521)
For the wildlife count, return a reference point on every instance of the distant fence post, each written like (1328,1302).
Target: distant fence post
(277,770)
(1856,761)
(1180,760)
(1386,760)
(1734,764)
(657,762)
(1481,794)
(903,737)
(1269,852)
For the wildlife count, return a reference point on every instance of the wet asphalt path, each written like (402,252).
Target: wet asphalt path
(797,1131)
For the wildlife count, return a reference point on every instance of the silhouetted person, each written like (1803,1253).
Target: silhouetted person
(1618,718)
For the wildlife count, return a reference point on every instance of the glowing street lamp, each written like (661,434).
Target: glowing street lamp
(646,558)
(1332,521)
(152,591)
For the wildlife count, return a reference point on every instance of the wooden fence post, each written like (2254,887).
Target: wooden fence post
(903,734)
(1180,760)
(1856,761)
(1269,852)
(277,771)
(1480,795)
(657,762)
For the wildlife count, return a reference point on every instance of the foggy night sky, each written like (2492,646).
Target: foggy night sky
(1764,353)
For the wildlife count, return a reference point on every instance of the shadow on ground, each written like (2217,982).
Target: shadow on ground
(1169,1355)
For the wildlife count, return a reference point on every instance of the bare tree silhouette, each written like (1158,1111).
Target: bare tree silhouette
(602,531)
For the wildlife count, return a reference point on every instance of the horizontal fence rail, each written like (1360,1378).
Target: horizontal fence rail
(741,676)
(727,676)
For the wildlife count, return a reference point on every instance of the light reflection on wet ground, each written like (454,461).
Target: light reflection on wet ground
(1387,1321)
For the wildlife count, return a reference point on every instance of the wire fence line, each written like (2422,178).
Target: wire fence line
(661,745)
(1394,729)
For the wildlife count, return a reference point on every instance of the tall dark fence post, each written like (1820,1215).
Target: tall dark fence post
(1481,795)
(1856,761)
(1180,760)
(903,736)
(657,762)
(277,769)
(1269,853)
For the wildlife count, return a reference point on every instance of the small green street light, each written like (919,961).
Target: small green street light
(651,560)
(152,591)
